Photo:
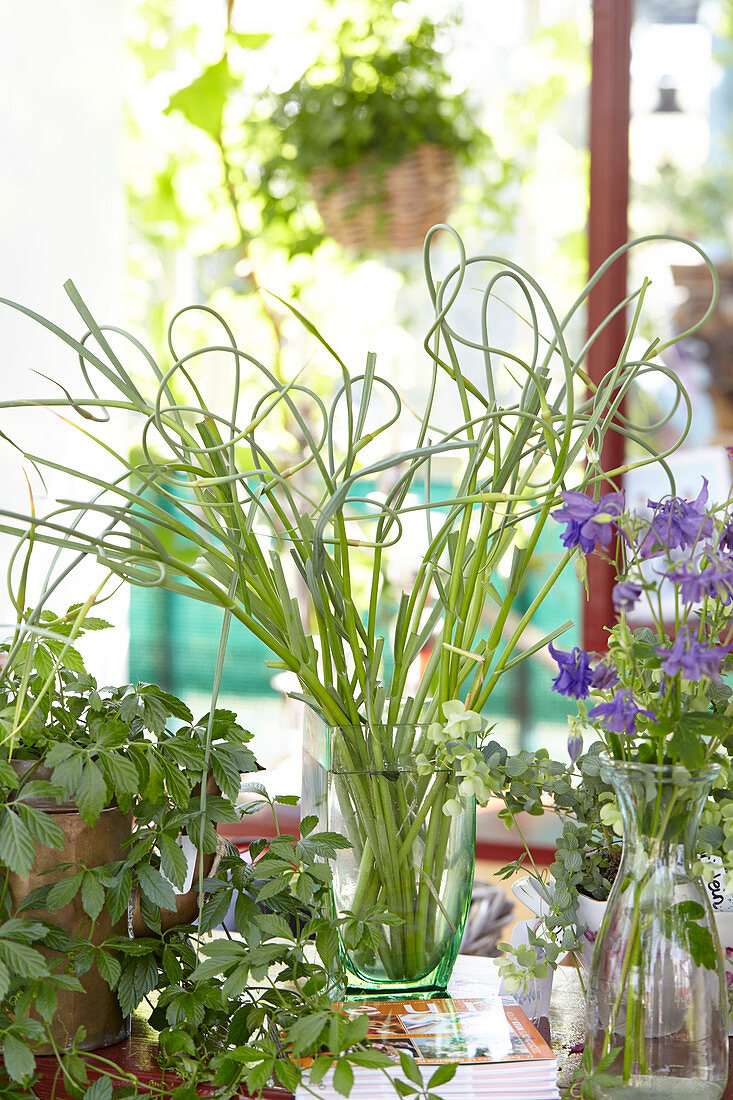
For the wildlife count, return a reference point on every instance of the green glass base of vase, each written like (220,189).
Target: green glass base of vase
(429,986)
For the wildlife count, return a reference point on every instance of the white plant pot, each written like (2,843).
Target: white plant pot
(590,914)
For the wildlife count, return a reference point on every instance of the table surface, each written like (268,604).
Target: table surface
(474,976)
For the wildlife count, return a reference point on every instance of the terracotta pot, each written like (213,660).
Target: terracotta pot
(96,1008)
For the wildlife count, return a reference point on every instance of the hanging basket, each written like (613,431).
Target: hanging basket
(368,208)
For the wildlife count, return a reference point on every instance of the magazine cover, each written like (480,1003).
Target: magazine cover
(458,1029)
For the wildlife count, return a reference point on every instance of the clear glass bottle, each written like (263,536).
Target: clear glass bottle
(657,1022)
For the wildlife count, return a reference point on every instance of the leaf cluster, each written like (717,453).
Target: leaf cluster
(239,1000)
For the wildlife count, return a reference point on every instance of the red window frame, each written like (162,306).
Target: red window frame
(607,230)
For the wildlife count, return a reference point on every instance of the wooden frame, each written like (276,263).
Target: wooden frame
(607,230)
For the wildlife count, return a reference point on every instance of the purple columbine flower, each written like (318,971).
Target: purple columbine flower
(580,514)
(715,580)
(575,747)
(605,676)
(575,676)
(677,523)
(725,542)
(690,657)
(625,594)
(619,716)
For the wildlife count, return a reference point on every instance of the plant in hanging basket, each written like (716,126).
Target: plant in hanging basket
(374,129)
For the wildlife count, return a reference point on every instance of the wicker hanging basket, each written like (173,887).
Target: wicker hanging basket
(369,208)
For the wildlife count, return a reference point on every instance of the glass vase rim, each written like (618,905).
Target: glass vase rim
(671,773)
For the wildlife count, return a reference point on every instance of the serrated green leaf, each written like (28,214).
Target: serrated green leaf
(42,826)
(403,1088)
(8,776)
(155,888)
(320,1068)
(123,774)
(154,788)
(17,849)
(185,753)
(23,930)
(92,895)
(4,980)
(287,1073)
(327,945)
(343,1077)
(91,793)
(687,747)
(370,1059)
(410,1069)
(139,976)
(44,662)
(46,1001)
(214,910)
(356,1030)
(109,967)
(175,780)
(173,861)
(304,1033)
(101,1089)
(62,892)
(68,981)
(442,1075)
(226,773)
(154,711)
(24,960)
(118,895)
(171,703)
(67,772)
(18,1058)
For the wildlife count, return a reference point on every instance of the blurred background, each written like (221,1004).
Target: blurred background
(164,152)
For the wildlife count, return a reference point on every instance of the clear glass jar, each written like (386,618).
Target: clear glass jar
(657,1022)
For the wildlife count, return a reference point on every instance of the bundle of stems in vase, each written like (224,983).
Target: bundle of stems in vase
(296,543)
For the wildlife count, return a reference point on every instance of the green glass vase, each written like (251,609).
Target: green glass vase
(409,861)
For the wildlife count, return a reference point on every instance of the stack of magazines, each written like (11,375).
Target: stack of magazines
(497,1051)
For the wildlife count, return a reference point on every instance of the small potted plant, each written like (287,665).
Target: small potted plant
(101,791)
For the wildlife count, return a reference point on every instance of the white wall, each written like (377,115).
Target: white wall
(62,214)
